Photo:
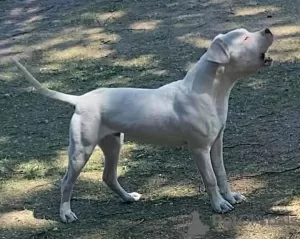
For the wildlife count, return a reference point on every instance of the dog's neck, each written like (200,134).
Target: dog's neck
(208,77)
(213,79)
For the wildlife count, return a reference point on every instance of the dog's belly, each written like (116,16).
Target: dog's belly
(161,138)
(162,131)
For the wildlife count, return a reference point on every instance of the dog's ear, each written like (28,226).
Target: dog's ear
(218,51)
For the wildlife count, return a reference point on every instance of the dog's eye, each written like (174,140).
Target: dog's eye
(246,38)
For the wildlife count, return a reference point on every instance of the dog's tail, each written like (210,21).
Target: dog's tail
(71,99)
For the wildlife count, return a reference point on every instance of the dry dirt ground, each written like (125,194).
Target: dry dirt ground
(75,46)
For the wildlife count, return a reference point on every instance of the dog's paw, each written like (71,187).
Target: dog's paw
(68,216)
(133,197)
(220,205)
(233,197)
(136,196)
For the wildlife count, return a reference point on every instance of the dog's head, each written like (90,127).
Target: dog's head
(241,50)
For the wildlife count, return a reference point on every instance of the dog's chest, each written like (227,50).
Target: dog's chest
(201,120)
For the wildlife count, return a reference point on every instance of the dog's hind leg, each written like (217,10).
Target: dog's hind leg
(82,142)
(111,146)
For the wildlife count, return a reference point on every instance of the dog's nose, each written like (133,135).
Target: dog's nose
(267,31)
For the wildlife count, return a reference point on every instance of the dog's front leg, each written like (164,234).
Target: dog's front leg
(203,161)
(220,172)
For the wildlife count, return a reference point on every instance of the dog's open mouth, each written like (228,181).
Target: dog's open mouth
(267,60)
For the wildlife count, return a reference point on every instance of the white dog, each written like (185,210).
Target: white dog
(191,111)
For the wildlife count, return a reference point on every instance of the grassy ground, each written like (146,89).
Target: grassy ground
(75,46)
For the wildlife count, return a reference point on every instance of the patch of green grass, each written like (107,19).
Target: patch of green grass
(33,171)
